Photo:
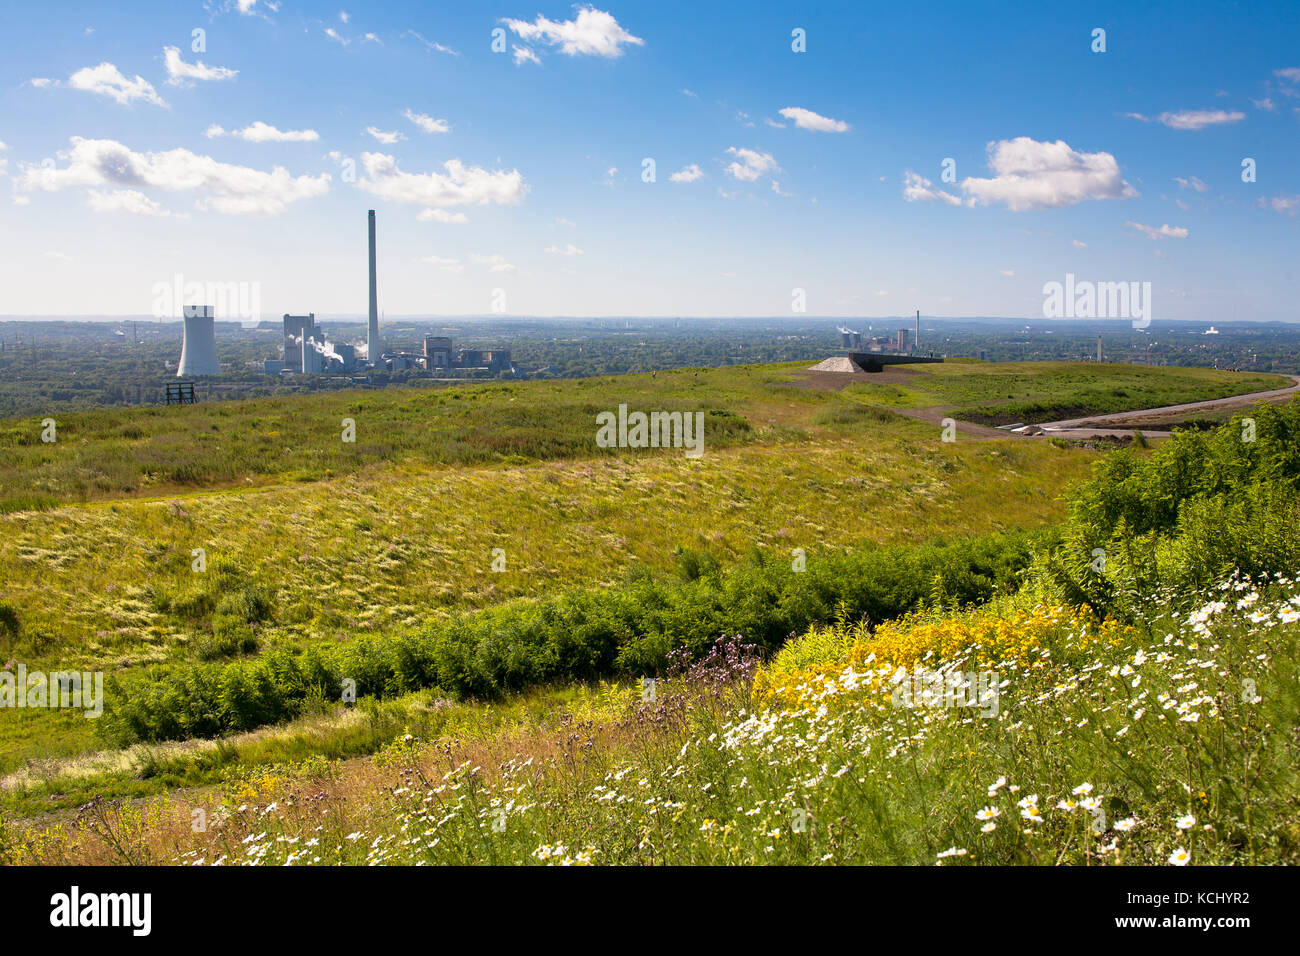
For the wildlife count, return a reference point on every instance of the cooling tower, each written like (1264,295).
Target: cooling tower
(373,348)
(199,348)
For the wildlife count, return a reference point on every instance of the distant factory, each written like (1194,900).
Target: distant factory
(307,351)
(901,342)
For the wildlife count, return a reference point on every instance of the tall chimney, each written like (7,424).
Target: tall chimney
(373,347)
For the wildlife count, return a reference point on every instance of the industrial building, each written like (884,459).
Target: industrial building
(306,350)
(199,347)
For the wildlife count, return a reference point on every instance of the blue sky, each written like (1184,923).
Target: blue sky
(521,172)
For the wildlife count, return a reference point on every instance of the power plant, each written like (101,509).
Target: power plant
(305,349)
(199,347)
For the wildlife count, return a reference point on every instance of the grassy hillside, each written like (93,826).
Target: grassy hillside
(314,545)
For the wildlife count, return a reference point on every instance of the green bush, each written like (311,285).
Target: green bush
(628,630)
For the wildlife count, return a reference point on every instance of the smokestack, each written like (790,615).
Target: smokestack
(373,347)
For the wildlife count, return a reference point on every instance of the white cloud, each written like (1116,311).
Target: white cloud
(225,188)
(690,93)
(496,261)
(427,123)
(430,44)
(41,82)
(524,54)
(55,254)
(1289,205)
(750,164)
(259,132)
(1265,104)
(1163,232)
(569,249)
(344,16)
(1191,182)
(1290,74)
(593,33)
(460,185)
(388,139)
(1078,244)
(773,123)
(125,200)
(107,80)
(442,215)
(917,188)
(1009,273)
(1198,119)
(179,72)
(335,36)
(807,119)
(1039,175)
(687,174)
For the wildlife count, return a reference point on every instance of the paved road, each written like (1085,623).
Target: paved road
(1095,425)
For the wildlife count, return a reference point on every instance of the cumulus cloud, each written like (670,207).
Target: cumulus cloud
(569,249)
(687,174)
(750,164)
(107,80)
(1266,104)
(459,185)
(427,123)
(225,188)
(1163,232)
(125,200)
(1191,182)
(1078,244)
(1290,74)
(41,82)
(179,72)
(1039,175)
(388,139)
(523,54)
(807,119)
(917,188)
(496,261)
(259,132)
(591,33)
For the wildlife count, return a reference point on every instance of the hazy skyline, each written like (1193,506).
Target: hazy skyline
(133,150)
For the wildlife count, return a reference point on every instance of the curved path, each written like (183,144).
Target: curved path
(1095,425)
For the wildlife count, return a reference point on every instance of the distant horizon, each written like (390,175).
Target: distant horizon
(489,317)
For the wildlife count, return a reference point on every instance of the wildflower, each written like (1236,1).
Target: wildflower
(951,851)
(988,828)
(1032,812)
(1082,790)
(1185,823)
(1179,857)
(988,813)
